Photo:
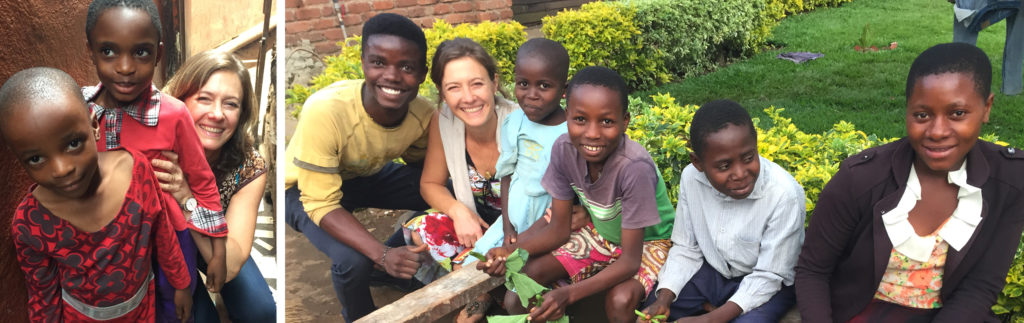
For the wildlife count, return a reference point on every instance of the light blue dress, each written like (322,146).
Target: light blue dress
(525,153)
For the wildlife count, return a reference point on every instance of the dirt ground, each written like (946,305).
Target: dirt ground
(309,293)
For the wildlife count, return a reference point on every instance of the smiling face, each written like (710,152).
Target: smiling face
(596,122)
(394,70)
(125,48)
(469,91)
(538,90)
(216,109)
(54,142)
(944,117)
(730,161)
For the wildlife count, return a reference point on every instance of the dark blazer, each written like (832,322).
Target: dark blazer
(847,249)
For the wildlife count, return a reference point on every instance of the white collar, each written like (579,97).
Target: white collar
(956,231)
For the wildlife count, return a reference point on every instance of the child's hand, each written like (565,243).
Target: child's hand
(659,308)
(172,179)
(183,304)
(216,269)
(495,265)
(510,235)
(468,226)
(553,307)
(403,262)
(580,217)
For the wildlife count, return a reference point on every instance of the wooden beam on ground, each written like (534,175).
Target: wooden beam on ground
(438,298)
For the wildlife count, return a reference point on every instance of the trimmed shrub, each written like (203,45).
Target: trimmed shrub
(606,34)
(695,35)
(651,42)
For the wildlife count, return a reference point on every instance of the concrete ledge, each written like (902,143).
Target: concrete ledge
(438,298)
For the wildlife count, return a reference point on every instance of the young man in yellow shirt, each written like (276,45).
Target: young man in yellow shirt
(340,159)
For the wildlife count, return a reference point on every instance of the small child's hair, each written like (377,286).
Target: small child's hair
(550,50)
(601,76)
(952,58)
(98,7)
(395,25)
(36,84)
(714,116)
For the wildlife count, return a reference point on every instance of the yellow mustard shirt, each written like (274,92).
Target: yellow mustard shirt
(336,139)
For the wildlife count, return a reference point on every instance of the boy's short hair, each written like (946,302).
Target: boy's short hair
(550,50)
(36,84)
(601,76)
(98,7)
(714,116)
(396,25)
(952,58)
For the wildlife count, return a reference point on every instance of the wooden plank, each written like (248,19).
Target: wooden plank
(438,298)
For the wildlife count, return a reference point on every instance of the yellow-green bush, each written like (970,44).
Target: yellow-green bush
(606,34)
(693,36)
(654,41)
(501,40)
(1010,305)
(663,128)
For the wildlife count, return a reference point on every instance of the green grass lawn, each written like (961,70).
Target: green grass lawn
(863,88)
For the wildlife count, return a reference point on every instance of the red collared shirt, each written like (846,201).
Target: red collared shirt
(159,122)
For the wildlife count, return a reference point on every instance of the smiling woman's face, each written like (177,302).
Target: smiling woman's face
(469,91)
(216,109)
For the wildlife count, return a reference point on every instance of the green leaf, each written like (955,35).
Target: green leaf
(507,318)
(478,256)
(999,309)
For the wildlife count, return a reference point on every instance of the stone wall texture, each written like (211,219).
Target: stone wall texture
(37,33)
(317,20)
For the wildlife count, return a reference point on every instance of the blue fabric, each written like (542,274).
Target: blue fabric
(1013,49)
(247,298)
(707,285)
(525,154)
(165,309)
(351,271)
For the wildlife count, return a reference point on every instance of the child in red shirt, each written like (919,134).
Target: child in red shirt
(86,233)
(124,43)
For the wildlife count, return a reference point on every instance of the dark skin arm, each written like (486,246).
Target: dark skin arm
(506,224)
(400,262)
(626,266)
(660,306)
(554,235)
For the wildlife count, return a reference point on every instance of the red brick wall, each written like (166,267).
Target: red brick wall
(316,21)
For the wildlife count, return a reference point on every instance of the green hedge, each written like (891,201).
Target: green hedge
(651,42)
(663,128)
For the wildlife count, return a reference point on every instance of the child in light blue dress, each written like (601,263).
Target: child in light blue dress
(542,68)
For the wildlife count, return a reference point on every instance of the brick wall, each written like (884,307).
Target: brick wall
(316,20)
